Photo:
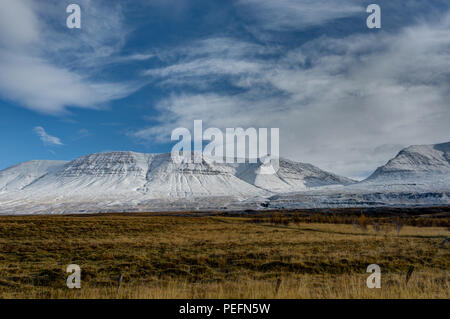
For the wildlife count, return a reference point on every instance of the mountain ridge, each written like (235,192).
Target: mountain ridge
(141,170)
(126,181)
(416,161)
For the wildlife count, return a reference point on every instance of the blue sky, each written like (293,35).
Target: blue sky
(346,98)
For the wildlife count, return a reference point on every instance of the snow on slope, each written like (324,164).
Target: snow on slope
(167,179)
(156,175)
(417,176)
(128,181)
(21,175)
(416,162)
(95,174)
(291,177)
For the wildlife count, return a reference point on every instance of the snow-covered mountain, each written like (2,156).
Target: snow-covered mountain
(19,176)
(128,181)
(416,162)
(418,176)
(107,181)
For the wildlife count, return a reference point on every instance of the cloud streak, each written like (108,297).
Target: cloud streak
(282,15)
(47,139)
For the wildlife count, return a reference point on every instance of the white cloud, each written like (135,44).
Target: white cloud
(18,23)
(43,87)
(206,60)
(346,105)
(140,57)
(204,67)
(47,139)
(38,60)
(282,15)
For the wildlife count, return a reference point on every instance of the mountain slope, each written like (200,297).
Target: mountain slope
(156,175)
(418,176)
(416,161)
(19,176)
(291,176)
(144,181)
(128,181)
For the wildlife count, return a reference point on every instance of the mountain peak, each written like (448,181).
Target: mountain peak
(130,181)
(424,160)
(139,175)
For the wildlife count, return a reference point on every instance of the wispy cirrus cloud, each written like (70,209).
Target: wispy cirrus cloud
(46,138)
(204,61)
(81,133)
(282,15)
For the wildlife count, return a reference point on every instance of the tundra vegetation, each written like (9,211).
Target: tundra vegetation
(267,255)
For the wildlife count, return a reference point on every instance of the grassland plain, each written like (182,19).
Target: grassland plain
(277,256)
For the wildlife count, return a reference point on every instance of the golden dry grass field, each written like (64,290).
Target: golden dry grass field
(218,257)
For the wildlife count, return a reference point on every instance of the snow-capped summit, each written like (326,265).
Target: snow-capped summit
(416,162)
(129,181)
(132,180)
(157,175)
(417,176)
